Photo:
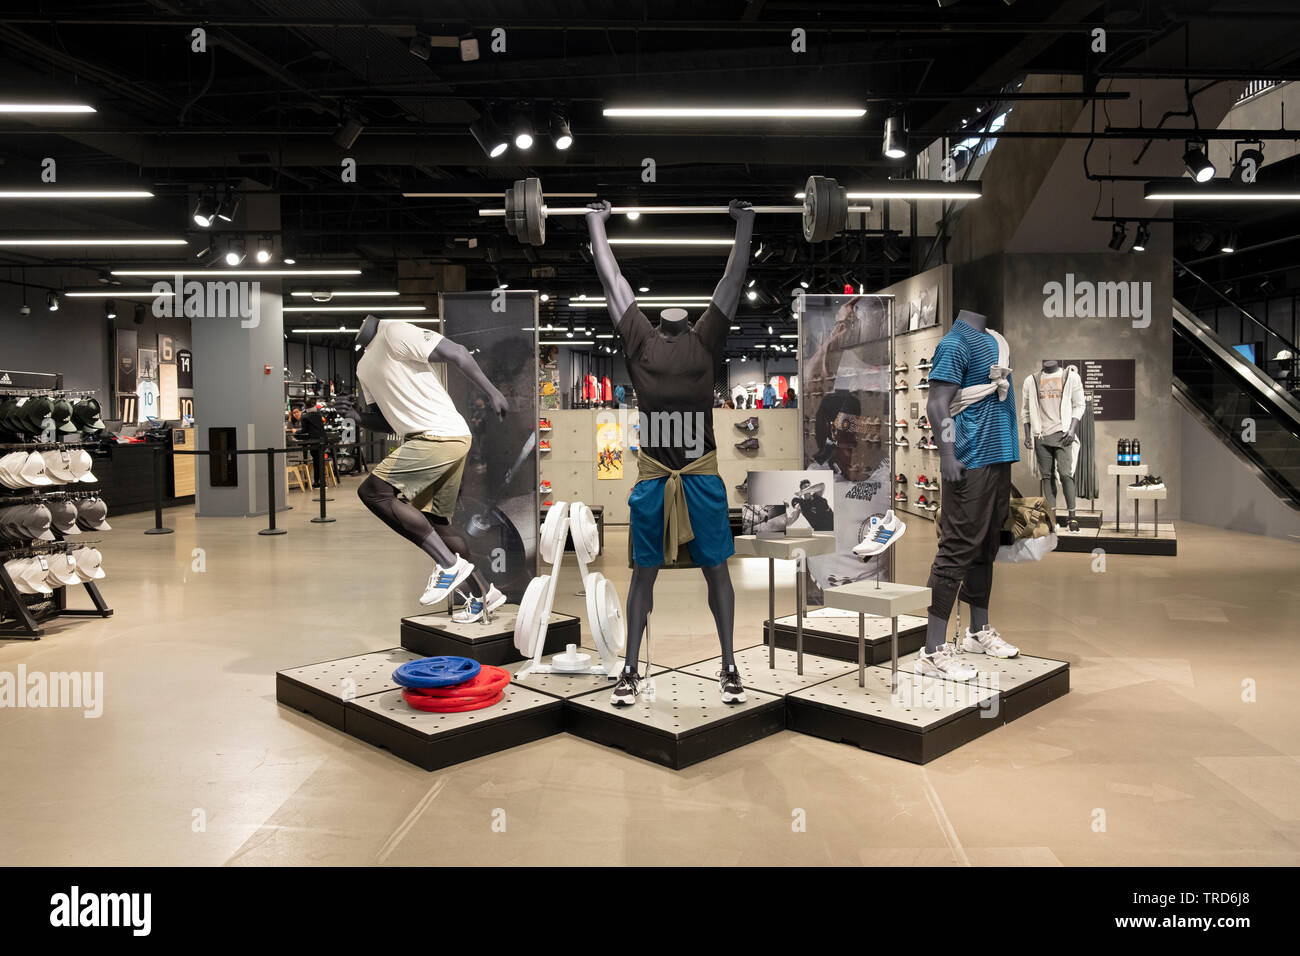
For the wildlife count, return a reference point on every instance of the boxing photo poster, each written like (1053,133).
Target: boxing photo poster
(846,407)
(498,513)
(609,451)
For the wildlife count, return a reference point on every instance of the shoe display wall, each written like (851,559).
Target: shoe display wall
(916,456)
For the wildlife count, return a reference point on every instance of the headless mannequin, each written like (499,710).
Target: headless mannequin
(1048,478)
(430,533)
(618,294)
(937,410)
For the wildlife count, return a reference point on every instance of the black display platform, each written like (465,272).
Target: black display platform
(432,741)
(435,634)
(323,689)
(829,632)
(926,718)
(685,724)
(1124,541)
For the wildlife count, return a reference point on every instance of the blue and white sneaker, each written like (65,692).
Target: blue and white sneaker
(443,581)
(478,608)
(882,532)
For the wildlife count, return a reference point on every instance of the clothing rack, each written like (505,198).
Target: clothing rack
(38,445)
(36,496)
(48,392)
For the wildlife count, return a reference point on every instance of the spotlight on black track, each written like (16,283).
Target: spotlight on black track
(1197,163)
(347,133)
(561,135)
(1141,238)
(895,145)
(1118,233)
(110,309)
(229,206)
(490,138)
(51,302)
(421,46)
(521,126)
(1229,243)
(205,210)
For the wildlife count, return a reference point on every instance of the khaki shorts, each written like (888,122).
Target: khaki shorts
(427,471)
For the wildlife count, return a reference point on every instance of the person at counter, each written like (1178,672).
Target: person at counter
(311,428)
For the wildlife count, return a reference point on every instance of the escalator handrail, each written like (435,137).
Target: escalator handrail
(1262,386)
(1268,329)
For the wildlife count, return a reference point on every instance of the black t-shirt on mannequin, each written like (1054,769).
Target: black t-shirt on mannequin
(673,372)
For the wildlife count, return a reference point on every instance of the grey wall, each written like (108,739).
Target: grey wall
(1009,289)
(75,340)
(231,390)
(1226,493)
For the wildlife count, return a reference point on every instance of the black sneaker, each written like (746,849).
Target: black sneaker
(743,487)
(626,690)
(749,444)
(749,424)
(733,692)
(1074,525)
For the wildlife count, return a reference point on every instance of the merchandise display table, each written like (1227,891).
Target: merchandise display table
(1120,471)
(787,549)
(1137,496)
(887,599)
(488,642)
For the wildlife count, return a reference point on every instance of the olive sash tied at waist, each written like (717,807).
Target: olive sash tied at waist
(677,518)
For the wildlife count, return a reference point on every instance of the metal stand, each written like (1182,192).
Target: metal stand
(157,494)
(771,613)
(270,495)
(323,519)
(801,597)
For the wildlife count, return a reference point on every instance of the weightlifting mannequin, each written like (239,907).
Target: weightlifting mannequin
(972,403)
(1052,399)
(413,491)
(678,498)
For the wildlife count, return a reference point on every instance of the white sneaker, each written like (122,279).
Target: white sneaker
(988,641)
(478,608)
(443,582)
(943,664)
(881,533)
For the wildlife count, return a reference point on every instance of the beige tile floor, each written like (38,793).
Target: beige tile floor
(1152,758)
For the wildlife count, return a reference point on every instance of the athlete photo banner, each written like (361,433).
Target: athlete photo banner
(609,451)
(846,406)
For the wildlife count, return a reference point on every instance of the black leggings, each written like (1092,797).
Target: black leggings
(431,534)
(641,599)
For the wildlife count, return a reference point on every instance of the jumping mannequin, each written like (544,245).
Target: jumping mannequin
(972,401)
(414,490)
(1053,398)
(678,499)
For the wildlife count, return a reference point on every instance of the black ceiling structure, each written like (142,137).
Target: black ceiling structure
(280,85)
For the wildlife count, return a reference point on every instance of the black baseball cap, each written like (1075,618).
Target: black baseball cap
(85,415)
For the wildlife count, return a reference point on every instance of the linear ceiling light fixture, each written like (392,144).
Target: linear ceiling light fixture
(354,308)
(93,242)
(46,108)
(252,273)
(75,194)
(915,189)
(735,112)
(1220,191)
(680,241)
(337,292)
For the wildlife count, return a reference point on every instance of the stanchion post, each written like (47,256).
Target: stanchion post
(324,471)
(270,494)
(157,494)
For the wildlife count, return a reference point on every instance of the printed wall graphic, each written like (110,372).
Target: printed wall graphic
(168,401)
(788,502)
(920,300)
(184,369)
(548,377)
(126,359)
(146,388)
(1111,386)
(609,450)
(498,507)
(846,407)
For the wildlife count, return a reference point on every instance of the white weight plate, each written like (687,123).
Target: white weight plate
(552,545)
(586,536)
(528,624)
(605,613)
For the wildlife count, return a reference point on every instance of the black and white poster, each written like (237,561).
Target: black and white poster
(184,369)
(846,405)
(498,510)
(1111,385)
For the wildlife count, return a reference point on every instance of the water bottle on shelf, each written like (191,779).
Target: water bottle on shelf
(1136,452)
(1121,455)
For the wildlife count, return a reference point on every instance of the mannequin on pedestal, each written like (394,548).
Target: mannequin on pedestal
(1054,406)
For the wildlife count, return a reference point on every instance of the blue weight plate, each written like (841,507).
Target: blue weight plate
(436,672)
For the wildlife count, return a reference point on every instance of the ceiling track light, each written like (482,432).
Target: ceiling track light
(348,130)
(229,205)
(110,309)
(1118,233)
(421,46)
(489,135)
(264,250)
(521,126)
(895,144)
(51,302)
(205,210)
(561,135)
(1141,237)
(1229,244)
(235,252)
(1249,163)
(1197,162)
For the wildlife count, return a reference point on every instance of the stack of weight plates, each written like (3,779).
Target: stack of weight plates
(448,685)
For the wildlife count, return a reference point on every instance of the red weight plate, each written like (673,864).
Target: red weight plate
(449,705)
(489,680)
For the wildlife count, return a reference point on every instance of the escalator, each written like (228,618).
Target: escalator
(1226,392)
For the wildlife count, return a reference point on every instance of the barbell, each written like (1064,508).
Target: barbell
(825,210)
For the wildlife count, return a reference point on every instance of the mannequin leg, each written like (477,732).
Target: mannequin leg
(973,512)
(978,586)
(458,545)
(381,499)
(640,602)
(1063,456)
(1045,453)
(722,602)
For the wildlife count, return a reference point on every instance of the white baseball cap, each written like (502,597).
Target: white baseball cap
(18,569)
(33,471)
(62,570)
(34,575)
(89,563)
(10,468)
(58,464)
(81,462)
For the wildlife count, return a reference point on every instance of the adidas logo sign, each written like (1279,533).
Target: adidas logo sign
(5,379)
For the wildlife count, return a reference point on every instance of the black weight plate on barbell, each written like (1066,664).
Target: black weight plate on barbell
(511,204)
(816,208)
(534,212)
